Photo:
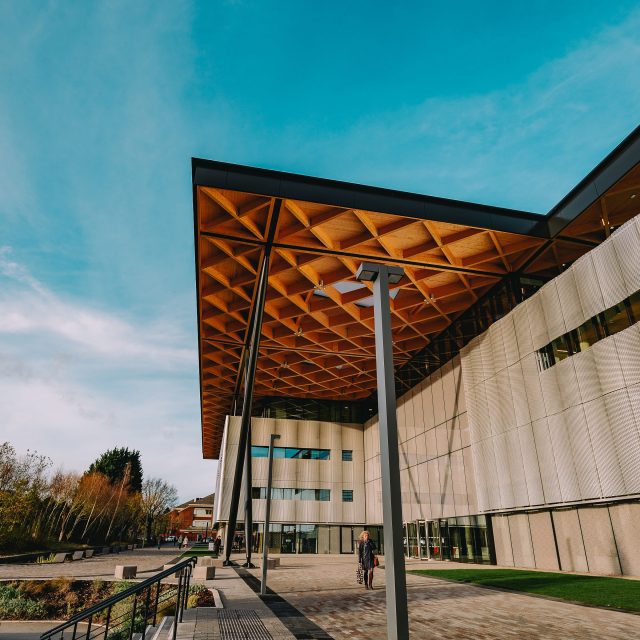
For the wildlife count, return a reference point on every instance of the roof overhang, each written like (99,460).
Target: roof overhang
(317,334)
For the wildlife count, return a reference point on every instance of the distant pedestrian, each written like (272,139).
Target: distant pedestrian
(179,542)
(185,542)
(367,558)
(159,542)
(216,545)
(174,540)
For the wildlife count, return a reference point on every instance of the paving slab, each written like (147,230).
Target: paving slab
(324,590)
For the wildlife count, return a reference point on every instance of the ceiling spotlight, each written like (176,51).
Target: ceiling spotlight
(340,366)
(368,272)
(298,331)
(632,196)
(320,286)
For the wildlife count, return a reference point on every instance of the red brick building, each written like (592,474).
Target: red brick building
(193,519)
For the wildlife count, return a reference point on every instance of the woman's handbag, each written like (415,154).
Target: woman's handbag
(359,575)
(376,562)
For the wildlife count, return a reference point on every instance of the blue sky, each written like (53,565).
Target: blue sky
(103,104)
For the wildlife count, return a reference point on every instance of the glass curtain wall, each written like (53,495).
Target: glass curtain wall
(461,539)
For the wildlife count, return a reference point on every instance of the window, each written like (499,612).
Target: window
(588,333)
(291,452)
(347,495)
(634,306)
(611,321)
(560,349)
(279,493)
(615,319)
(347,456)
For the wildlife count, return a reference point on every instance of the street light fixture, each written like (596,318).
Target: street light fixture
(397,617)
(265,537)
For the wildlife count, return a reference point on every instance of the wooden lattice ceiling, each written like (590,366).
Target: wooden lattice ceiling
(317,332)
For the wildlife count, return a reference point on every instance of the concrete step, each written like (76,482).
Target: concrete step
(163,630)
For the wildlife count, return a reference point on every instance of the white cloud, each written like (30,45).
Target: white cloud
(76,381)
(33,308)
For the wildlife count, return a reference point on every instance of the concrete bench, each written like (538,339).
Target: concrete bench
(88,553)
(77,555)
(106,550)
(204,572)
(273,563)
(129,547)
(171,566)
(125,572)
(61,557)
(209,561)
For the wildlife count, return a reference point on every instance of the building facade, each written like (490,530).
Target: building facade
(193,519)
(522,450)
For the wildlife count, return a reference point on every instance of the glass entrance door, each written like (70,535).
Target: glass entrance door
(346,539)
(422,539)
(433,539)
(288,544)
(412,540)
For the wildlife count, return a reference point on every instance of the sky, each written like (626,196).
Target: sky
(103,104)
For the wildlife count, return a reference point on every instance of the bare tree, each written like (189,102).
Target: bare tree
(157,497)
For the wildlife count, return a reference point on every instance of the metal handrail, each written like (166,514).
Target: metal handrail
(184,568)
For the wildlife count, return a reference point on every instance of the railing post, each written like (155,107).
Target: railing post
(106,624)
(88,634)
(155,606)
(177,612)
(146,612)
(133,615)
(186,591)
(75,628)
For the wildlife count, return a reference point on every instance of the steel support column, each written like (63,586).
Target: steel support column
(244,444)
(267,517)
(248,483)
(394,567)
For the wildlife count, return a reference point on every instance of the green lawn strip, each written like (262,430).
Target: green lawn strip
(198,553)
(592,590)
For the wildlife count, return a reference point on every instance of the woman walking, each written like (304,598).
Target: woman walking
(367,558)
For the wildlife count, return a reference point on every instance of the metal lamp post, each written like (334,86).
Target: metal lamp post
(265,538)
(397,616)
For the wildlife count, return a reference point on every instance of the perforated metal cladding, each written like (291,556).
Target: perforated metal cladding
(568,383)
(516,470)
(625,436)
(552,310)
(510,341)
(612,285)
(523,331)
(588,286)
(505,483)
(569,487)
(587,375)
(497,346)
(628,348)
(530,465)
(604,449)
(486,347)
(551,390)
(569,300)
(537,321)
(626,241)
(608,365)
(583,458)
(519,395)
(546,461)
(533,387)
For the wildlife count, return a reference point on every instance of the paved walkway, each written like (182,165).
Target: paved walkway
(323,588)
(321,599)
(148,561)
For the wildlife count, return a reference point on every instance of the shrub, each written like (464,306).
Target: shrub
(15,606)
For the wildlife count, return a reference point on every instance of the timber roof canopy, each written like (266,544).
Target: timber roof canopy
(317,332)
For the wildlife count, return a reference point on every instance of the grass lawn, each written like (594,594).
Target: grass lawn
(593,590)
(191,553)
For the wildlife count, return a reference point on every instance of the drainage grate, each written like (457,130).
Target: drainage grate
(241,624)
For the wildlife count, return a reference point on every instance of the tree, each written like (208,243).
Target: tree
(113,464)
(157,497)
